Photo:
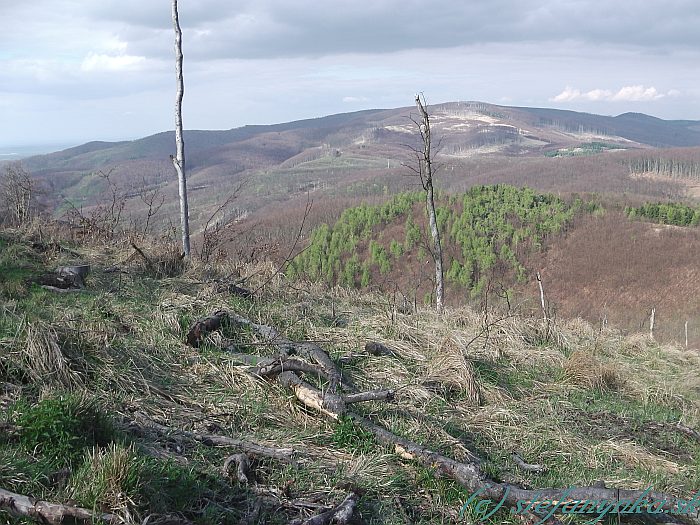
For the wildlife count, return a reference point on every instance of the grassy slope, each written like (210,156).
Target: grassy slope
(582,402)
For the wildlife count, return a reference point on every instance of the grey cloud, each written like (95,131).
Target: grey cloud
(216,29)
(273,29)
(254,61)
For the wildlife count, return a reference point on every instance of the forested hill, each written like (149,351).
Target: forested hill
(487,232)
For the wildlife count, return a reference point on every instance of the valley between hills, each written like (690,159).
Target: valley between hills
(255,182)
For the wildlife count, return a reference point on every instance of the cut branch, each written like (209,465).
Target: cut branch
(529,467)
(342,514)
(215,440)
(203,326)
(52,513)
(372,395)
(469,473)
(327,403)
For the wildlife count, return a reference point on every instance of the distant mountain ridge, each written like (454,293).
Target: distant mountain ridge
(350,155)
(636,127)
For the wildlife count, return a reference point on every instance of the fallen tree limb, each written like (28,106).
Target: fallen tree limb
(341,514)
(327,403)
(287,347)
(372,395)
(528,467)
(468,474)
(242,467)
(272,366)
(688,431)
(61,290)
(52,513)
(215,440)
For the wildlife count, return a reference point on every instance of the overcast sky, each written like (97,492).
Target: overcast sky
(78,70)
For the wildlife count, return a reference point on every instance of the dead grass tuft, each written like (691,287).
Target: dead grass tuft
(448,371)
(583,369)
(43,360)
(635,455)
(636,344)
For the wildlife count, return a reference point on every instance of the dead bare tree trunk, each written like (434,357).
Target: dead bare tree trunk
(542,302)
(179,158)
(426,169)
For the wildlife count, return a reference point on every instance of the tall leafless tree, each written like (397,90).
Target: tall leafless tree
(426,168)
(179,158)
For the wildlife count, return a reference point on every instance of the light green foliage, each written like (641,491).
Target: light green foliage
(500,224)
(379,257)
(666,213)
(589,148)
(329,245)
(412,233)
(489,227)
(396,248)
(365,277)
(350,271)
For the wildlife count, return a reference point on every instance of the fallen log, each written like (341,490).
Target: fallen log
(327,403)
(204,326)
(65,278)
(272,366)
(76,274)
(311,351)
(51,513)
(61,290)
(215,440)
(468,474)
(341,514)
(286,347)
(691,432)
(240,461)
(372,395)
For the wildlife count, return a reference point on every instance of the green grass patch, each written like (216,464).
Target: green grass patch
(62,428)
(349,436)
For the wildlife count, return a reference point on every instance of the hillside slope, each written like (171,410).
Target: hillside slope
(590,405)
(362,153)
(616,269)
(596,262)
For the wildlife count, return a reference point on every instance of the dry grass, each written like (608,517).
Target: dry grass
(461,389)
(583,369)
(40,357)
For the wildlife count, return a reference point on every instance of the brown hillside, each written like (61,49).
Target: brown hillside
(619,268)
